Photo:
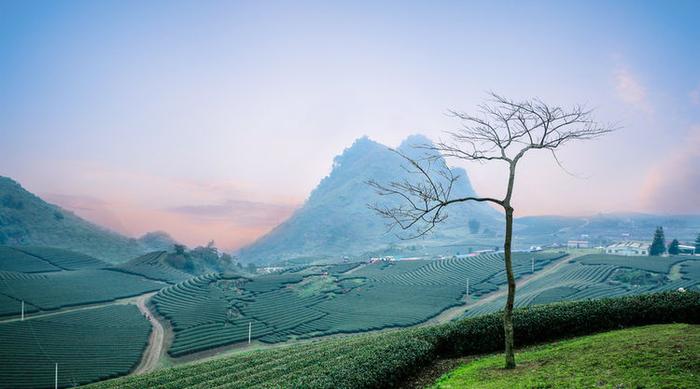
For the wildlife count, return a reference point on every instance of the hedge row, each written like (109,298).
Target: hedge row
(561,320)
(534,324)
(386,359)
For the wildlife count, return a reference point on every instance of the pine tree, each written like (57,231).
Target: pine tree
(697,245)
(673,248)
(658,246)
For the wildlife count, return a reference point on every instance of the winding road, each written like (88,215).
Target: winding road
(151,356)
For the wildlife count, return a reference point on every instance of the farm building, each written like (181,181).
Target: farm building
(577,244)
(687,249)
(628,248)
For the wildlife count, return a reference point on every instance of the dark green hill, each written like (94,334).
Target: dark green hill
(27,220)
(336,221)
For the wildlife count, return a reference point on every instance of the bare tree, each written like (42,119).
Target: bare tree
(504,131)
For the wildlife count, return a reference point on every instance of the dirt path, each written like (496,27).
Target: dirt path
(154,350)
(453,313)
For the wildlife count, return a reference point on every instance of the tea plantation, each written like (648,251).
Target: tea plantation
(69,288)
(595,276)
(152,266)
(386,359)
(15,260)
(88,345)
(63,259)
(215,310)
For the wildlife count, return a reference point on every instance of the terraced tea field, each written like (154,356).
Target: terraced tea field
(380,360)
(596,275)
(55,290)
(152,266)
(88,345)
(48,279)
(19,261)
(64,259)
(216,310)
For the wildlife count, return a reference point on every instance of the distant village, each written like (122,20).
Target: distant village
(657,247)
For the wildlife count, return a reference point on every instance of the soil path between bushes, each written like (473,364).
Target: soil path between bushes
(453,313)
(154,350)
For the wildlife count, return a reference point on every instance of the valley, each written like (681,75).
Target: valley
(207,316)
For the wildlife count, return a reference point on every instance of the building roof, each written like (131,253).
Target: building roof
(629,244)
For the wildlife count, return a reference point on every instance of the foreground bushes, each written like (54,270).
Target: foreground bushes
(385,359)
(560,320)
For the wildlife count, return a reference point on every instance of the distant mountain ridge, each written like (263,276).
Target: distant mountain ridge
(27,220)
(336,221)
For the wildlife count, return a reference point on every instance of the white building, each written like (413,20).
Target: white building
(628,248)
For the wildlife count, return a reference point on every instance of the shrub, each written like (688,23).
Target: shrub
(560,320)
(386,359)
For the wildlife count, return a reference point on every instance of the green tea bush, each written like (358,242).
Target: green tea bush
(560,320)
(386,359)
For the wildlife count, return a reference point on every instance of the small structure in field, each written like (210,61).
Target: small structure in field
(628,248)
(687,249)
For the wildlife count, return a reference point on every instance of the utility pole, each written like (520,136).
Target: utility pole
(55,379)
(250,330)
(22,310)
(533,264)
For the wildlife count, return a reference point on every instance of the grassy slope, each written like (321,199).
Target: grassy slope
(657,356)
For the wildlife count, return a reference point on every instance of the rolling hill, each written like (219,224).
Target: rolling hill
(27,220)
(335,220)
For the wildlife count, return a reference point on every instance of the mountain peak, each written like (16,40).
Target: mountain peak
(414,141)
(336,220)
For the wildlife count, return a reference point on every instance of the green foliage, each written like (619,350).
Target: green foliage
(657,265)
(657,356)
(673,248)
(179,249)
(596,275)
(12,259)
(9,201)
(658,245)
(156,266)
(64,259)
(88,345)
(251,268)
(385,359)
(214,311)
(638,277)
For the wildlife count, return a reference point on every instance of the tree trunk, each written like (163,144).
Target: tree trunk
(508,311)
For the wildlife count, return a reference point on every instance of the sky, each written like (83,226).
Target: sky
(214,120)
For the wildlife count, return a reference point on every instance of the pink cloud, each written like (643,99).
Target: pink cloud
(673,185)
(231,226)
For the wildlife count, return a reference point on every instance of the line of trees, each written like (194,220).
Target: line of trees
(658,244)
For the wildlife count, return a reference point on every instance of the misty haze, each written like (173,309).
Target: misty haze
(349,194)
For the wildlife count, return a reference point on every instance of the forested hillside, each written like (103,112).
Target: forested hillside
(27,220)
